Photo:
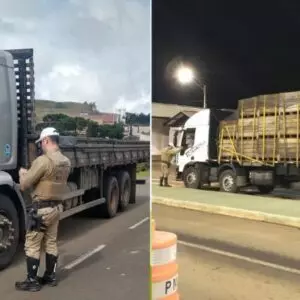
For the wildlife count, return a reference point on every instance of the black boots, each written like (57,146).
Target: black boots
(31,283)
(49,275)
(166,182)
(34,283)
(161,179)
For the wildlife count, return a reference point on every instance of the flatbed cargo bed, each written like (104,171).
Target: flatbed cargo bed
(83,151)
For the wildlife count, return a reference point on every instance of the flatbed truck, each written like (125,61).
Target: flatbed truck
(103,175)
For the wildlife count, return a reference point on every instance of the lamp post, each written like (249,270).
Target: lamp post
(185,75)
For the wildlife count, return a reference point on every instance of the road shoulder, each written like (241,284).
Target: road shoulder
(256,208)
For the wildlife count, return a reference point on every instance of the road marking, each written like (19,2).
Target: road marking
(240,257)
(83,257)
(139,223)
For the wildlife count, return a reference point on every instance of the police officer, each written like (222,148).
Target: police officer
(47,177)
(166,157)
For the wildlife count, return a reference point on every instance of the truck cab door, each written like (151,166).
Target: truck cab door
(187,142)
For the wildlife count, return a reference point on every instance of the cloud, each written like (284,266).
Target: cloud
(85,50)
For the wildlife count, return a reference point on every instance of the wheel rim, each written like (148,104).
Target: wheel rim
(227,183)
(6,232)
(191,178)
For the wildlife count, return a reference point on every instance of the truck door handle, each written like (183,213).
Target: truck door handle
(192,158)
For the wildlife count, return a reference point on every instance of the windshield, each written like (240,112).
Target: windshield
(188,138)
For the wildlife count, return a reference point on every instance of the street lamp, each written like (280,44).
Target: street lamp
(185,75)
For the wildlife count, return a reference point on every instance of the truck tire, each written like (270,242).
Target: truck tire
(227,182)
(9,231)
(265,189)
(111,194)
(192,177)
(125,190)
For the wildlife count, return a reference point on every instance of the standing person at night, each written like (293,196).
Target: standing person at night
(47,177)
(167,155)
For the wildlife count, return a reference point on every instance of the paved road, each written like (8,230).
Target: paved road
(118,271)
(224,258)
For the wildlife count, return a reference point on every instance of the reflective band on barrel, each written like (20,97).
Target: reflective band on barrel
(164,255)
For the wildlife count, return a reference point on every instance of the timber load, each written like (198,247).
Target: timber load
(266,132)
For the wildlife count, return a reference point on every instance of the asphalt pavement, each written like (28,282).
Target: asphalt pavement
(226,258)
(99,259)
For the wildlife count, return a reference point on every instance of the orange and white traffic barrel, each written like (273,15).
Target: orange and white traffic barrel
(164,266)
(164,248)
(164,281)
(153,226)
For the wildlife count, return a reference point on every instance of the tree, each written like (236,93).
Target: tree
(92,129)
(115,131)
(63,123)
(66,125)
(137,119)
(81,123)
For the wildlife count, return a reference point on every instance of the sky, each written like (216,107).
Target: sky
(240,49)
(84,50)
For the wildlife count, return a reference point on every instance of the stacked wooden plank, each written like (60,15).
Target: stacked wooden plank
(267,130)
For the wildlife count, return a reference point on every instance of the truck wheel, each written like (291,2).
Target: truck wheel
(9,231)
(125,190)
(227,182)
(265,189)
(192,178)
(111,195)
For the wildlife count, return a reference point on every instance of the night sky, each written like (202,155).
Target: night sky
(241,48)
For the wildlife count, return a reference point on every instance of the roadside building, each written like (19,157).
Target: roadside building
(166,118)
(141,132)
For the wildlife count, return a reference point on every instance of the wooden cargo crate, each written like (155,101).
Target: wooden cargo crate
(249,140)
(269,149)
(285,103)
(279,125)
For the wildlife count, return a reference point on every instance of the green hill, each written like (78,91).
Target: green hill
(44,107)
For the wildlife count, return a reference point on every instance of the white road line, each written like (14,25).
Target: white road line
(138,223)
(83,257)
(241,257)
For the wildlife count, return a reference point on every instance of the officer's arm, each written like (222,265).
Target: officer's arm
(174,151)
(34,174)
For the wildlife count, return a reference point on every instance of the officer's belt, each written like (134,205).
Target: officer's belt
(45,203)
(165,162)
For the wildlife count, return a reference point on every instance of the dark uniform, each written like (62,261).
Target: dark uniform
(166,157)
(48,176)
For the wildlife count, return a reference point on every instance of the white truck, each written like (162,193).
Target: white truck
(200,163)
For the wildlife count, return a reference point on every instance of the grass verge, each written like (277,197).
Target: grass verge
(143,174)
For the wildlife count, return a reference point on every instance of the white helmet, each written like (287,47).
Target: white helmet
(49,131)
